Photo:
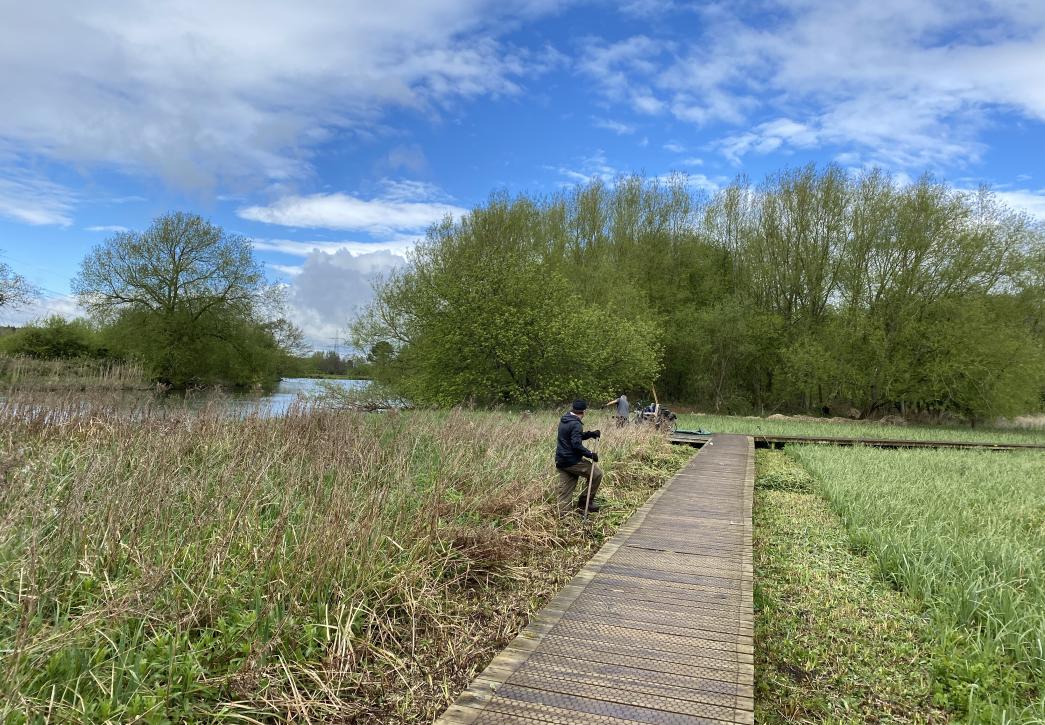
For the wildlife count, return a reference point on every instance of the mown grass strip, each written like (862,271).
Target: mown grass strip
(833,643)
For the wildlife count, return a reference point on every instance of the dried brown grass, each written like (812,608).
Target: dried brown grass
(315,567)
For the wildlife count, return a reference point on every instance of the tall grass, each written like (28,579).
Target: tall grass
(964,533)
(23,373)
(857,429)
(314,567)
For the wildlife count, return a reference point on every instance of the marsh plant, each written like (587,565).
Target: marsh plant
(316,566)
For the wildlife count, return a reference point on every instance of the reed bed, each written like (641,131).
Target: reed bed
(963,532)
(1030,432)
(19,373)
(317,567)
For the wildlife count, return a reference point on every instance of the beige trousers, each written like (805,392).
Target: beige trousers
(568,482)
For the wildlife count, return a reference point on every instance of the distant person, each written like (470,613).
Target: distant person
(570,455)
(621,417)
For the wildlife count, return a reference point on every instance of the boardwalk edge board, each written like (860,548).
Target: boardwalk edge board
(779,441)
(681,603)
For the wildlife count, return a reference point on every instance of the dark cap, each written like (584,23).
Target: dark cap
(580,405)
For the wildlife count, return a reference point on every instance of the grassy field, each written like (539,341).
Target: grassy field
(855,429)
(331,566)
(833,642)
(963,534)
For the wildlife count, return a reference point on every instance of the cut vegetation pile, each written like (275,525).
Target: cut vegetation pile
(326,566)
(963,534)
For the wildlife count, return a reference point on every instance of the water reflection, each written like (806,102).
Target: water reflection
(271,404)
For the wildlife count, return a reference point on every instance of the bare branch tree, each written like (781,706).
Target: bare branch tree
(15,290)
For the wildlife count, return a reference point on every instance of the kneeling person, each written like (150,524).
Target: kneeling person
(570,455)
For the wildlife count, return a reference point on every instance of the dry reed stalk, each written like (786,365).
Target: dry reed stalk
(315,566)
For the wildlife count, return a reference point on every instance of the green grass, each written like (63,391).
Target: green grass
(833,642)
(963,534)
(318,567)
(855,429)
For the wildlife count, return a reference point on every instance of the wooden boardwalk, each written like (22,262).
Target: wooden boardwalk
(689,438)
(657,627)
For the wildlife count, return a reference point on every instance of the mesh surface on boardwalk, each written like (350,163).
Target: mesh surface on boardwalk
(657,627)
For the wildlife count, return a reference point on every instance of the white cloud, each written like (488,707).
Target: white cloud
(41,308)
(199,93)
(674,147)
(905,83)
(768,137)
(329,290)
(618,127)
(399,246)
(595,166)
(1025,200)
(621,70)
(705,183)
(646,9)
(408,190)
(696,182)
(30,199)
(386,215)
(113,228)
(288,269)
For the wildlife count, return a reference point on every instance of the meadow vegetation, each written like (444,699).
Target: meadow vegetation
(962,533)
(321,566)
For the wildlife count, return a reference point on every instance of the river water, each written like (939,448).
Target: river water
(278,401)
(237,405)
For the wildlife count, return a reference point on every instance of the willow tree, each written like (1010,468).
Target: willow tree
(484,313)
(186,297)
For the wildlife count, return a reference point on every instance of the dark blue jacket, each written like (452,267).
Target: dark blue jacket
(570,449)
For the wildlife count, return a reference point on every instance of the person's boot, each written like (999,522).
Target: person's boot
(592,506)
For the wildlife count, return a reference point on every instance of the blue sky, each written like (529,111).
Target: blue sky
(333,133)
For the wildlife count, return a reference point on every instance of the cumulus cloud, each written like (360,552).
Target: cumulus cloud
(199,93)
(399,246)
(330,289)
(905,83)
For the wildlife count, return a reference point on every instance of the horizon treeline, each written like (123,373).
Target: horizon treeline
(815,290)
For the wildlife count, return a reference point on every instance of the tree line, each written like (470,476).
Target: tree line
(815,290)
(184,298)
